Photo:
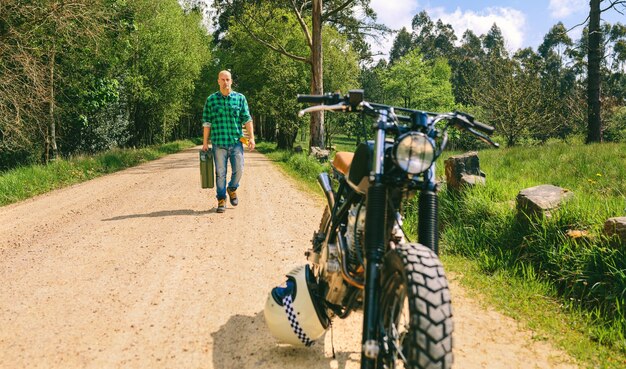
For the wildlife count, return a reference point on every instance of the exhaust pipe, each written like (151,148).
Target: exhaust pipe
(324,182)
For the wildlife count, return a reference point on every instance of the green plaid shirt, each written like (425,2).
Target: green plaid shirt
(226,116)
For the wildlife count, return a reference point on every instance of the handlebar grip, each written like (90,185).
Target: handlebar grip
(467,121)
(326,99)
(313,99)
(483,127)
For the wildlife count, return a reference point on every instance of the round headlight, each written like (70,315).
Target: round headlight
(414,153)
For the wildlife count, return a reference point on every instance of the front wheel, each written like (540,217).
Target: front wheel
(415,311)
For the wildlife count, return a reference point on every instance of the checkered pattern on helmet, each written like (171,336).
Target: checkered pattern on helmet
(293,321)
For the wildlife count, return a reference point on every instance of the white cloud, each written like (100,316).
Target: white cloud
(511,22)
(394,14)
(564,8)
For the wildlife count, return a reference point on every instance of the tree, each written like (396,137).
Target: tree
(402,44)
(275,80)
(21,129)
(493,42)
(616,63)
(166,51)
(594,125)
(558,78)
(434,40)
(594,122)
(43,35)
(465,67)
(419,84)
(336,13)
(88,64)
(554,42)
(271,85)
(511,98)
(372,81)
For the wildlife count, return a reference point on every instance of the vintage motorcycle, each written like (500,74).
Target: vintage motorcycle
(361,257)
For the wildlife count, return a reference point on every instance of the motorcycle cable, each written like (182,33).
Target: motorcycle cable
(357,249)
(394,210)
(332,340)
(349,303)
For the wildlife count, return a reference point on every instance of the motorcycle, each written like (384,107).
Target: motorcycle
(361,257)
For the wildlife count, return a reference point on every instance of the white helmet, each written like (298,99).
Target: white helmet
(293,314)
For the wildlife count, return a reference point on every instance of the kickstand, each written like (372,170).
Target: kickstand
(332,344)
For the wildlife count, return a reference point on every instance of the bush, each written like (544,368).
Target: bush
(615,130)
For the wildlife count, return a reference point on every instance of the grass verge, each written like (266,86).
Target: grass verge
(25,182)
(537,305)
(299,166)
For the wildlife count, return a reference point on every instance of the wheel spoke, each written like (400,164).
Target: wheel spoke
(397,342)
(406,269)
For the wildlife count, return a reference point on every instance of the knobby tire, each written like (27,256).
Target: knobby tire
(415,312)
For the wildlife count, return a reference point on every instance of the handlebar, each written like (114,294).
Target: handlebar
(464,120)
(484,127)
(355,99)
(314,108)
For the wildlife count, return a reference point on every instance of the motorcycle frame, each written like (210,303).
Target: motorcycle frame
(376,227)
(378,193)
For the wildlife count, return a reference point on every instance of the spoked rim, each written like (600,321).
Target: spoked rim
(395,321)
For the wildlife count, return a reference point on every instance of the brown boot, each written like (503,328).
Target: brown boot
(232,195)
(221,206)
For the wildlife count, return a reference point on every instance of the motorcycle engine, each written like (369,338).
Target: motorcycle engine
(354,236)
(355,233)
(331,272)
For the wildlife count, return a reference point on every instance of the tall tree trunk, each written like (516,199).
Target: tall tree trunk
(317,80)
(258,125)
(285,140)
(594,127)
(53,136)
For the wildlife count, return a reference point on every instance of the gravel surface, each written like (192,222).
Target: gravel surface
(137,270)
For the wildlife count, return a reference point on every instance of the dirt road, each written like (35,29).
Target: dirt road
(136,270)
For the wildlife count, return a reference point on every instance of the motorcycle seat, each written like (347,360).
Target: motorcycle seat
(342,161)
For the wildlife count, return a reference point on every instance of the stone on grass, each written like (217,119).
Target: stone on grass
(540,201)
(320,154)
(463,171)
(616,227)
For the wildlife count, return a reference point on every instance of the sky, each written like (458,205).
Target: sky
(523,23)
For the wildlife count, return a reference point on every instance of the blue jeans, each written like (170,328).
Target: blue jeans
(222,155)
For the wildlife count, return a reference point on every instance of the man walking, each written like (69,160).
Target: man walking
(225,113)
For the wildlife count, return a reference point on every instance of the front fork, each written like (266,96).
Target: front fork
(375,228)
(428,213)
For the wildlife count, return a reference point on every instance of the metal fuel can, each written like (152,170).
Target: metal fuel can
(207,173)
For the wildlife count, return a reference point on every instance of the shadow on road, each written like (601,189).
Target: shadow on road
(245,342)
(160,214)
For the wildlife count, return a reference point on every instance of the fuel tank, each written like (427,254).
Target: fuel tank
(358,176)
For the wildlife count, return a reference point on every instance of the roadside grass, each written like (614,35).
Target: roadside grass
(299,166)
(536,305)
(339,143)
(25,182)
(569,292)
(343,143)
